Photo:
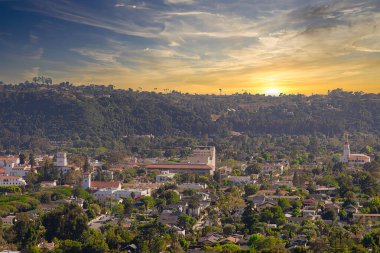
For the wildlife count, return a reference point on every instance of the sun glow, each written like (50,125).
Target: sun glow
(272,91)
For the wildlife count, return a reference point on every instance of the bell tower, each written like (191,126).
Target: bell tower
(86,184)
(346,150)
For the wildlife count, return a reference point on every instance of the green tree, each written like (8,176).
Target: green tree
(250,218)
(229,229)
(26,230)
(273,215)
(252,169)
(250,189)
(329,214)
(93,242)
(284,204)
(128,205)
(66,222)
(22,158)
(32,160)
(170,196)
(86,165)
(186,222)
(372,240)
(260,243)
(148,202)
(69,246)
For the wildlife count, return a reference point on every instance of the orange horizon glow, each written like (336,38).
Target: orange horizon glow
(259,47)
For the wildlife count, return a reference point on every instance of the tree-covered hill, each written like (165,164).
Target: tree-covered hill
(35,114)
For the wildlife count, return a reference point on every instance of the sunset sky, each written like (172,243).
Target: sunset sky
(196,46)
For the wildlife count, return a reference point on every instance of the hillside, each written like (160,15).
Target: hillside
(34,114)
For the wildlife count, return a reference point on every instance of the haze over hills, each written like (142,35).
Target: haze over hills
(102,115)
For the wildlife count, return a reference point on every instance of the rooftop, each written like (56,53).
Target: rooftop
(178,166)
(9,177)
(101,184)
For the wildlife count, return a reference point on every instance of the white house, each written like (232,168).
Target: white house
(164,177)
(240,180)
(10,219)
(48,184)
(192,186)
(11,181)
(12,169)
(8,159)
(274,168)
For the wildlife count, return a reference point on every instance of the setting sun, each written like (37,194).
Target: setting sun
(272,91)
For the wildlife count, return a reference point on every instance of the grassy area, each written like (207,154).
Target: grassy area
(27,202)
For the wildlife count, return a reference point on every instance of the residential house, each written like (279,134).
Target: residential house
(240,180)
(165,177)
(48,184)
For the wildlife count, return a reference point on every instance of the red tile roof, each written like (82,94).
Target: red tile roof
(101,184)
(116,168)
(272,192)
(309,201)
(8,158)
(366,214)
(9,177)
(178,166)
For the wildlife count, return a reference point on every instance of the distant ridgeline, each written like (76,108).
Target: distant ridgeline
(36,115)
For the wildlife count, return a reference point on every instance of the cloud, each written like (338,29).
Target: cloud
(75,12)
(207,43)
(36,54)
(179,1)
(97,55)
(30,73)
(118,5)
(33,38)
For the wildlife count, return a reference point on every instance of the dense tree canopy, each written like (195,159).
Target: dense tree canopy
(37,115)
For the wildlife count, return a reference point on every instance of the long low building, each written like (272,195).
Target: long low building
(11,181)
(107,194)
(200,169)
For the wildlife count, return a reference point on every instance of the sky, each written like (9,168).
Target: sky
(195,46)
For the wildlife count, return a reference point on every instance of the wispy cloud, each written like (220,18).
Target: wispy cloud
(179,1)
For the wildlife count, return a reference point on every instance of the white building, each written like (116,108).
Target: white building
(347,157)
(8,160)
(10,219)
(11,181)
(193,186)
(61,159)
(12,169)
(87,183)
(164,177)
(62,164)
(48,184)
(108,194)
(240,180)
(273,168)
(204,155)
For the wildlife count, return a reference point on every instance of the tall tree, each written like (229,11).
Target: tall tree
(22,158)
